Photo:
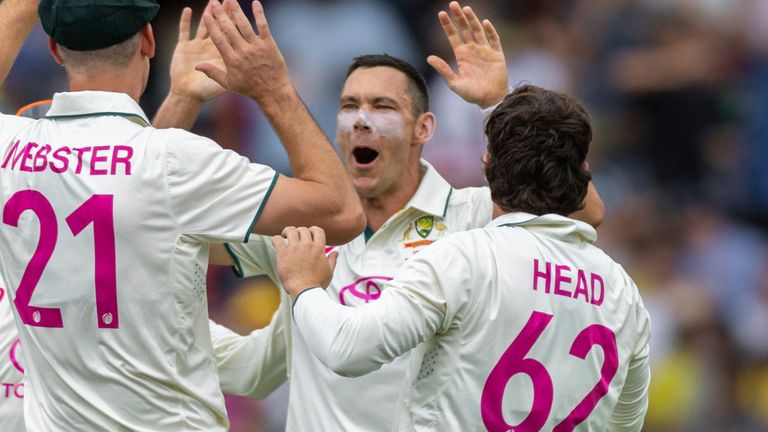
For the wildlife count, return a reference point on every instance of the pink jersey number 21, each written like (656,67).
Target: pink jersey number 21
(514,361)
(97,210)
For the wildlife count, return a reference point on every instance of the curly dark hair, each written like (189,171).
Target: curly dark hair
(537,144)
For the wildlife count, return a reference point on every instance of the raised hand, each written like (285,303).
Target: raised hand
(253,64)
(186,82)
(482,70)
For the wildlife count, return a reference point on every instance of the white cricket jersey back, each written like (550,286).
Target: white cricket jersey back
(107,222)
(540,330)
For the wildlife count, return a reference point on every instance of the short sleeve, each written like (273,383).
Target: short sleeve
(255,258)
(216,195)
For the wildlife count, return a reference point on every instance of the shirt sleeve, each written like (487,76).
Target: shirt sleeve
(629,413)
(255,258)
(253,365)
(216,195)
(413,307)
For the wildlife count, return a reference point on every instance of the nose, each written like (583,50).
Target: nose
(361,125)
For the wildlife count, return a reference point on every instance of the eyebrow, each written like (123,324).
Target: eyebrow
(378,99)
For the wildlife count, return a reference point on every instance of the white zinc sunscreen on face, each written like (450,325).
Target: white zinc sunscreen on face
(384,124)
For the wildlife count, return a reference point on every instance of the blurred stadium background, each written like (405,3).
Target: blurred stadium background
(678,91)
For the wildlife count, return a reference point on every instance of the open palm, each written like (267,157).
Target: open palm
(482,75)
(185,80)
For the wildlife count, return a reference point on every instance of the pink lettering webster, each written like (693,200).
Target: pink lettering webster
(96,161)
(557,279)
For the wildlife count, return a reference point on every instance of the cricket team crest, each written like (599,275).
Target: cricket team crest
(424,226)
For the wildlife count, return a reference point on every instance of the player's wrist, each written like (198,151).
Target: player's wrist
(184,99)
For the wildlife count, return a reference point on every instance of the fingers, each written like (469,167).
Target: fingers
(492,35)
(225,26)
(217,36)
(461,21)
(318,237)
(291,234)
(213,72)
(261,20)
(186,18)
(442,68)
(241,22)
(475,27)
(305,237)
(202,30)
(450,30)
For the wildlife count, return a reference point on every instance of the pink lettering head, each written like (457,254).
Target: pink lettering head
(365,289)
(2,293)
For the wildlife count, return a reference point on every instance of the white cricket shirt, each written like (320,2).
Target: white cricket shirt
(11,369)
(103,246)
(522,325)
(321,400)
(11,365)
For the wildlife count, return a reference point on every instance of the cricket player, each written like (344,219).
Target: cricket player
(521,325)
(383,123)
(106,220)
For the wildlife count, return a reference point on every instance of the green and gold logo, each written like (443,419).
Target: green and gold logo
(424,225)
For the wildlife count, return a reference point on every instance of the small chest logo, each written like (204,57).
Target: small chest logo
(424,225)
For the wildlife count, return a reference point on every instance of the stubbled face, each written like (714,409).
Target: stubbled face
(375,129)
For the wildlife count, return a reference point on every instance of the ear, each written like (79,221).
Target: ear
(54,49)
(147,41)
(425,128)
(485,158)
(585,166)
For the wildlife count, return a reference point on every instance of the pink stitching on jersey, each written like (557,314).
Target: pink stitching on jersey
(367,296)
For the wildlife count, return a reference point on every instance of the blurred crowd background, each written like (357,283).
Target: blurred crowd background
(678,93)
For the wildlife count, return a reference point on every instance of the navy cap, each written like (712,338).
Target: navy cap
(86,25)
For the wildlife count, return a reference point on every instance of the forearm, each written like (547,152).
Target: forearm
(357,341)
(177,112)
(253,365)
(334,202)
(17,17)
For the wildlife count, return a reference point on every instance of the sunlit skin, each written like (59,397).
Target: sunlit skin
(381,154)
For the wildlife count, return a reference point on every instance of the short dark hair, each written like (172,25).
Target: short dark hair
(417,85)
(537,144)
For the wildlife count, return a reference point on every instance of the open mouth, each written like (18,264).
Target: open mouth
(364,155)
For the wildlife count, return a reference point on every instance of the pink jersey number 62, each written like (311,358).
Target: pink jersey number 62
(513,362)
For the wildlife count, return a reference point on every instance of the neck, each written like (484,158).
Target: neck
(380,208)
(497,211)
(117,82)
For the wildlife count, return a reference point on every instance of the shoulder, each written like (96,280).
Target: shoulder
(470,196)
(469,208)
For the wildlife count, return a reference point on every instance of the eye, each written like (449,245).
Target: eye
(348,106)
(384,107)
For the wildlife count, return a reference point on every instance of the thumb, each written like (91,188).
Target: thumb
(213,72)
(442,68)
(332,257)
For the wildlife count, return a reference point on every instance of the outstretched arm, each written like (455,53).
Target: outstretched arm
(17,17)
(320,194)
(356,341)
